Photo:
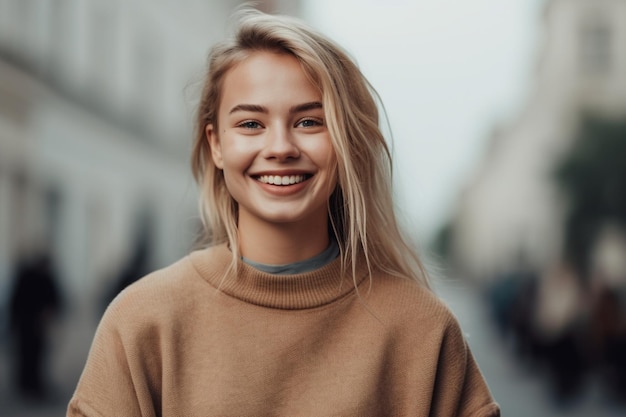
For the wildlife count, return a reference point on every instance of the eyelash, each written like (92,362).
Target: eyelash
(317,122)
(256,125)
(246,124)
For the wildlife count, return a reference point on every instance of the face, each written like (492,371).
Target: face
(272,143)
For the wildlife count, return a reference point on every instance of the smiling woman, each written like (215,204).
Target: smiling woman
(306,300)
(272,132)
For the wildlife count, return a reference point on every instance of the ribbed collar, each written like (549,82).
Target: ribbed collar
(298,291)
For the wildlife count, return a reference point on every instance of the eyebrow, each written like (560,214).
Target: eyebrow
(255,108)
(313,105)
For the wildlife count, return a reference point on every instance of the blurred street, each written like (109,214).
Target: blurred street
(519,391)
(70,340)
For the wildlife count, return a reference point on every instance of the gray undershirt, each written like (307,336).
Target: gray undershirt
(311,264)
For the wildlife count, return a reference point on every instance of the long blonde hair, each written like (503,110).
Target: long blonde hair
(361,208)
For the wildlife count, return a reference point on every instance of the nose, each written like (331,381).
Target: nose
(280,144)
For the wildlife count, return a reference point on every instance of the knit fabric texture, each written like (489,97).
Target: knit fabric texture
(187,342)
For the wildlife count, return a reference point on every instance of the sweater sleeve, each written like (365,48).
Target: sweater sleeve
(460,389)
(108,387)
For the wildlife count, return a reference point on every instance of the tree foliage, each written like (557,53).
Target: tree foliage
(592,175)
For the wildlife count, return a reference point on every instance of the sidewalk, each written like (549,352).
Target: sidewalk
(519,392)
(70,341)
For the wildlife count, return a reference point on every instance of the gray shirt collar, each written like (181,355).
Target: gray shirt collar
(329,255)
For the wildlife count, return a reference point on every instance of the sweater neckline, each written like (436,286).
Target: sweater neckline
(289,291)
(325,257)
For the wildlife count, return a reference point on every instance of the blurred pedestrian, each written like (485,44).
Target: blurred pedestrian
(34,302)
(308,299)
(607,339)
(138,263)
(559,328)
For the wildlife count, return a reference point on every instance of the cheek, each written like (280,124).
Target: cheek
(235,185)
(236,156)
(327,160)
(330,160)
(230,187)
(323,154)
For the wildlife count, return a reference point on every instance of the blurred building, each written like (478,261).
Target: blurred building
(96,109)
(97,100)
(510,215)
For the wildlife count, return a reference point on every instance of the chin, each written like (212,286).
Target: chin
(291,217)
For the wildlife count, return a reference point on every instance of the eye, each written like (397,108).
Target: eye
(250,124)
(310,122)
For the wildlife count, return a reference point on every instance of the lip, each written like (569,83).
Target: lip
(281,172)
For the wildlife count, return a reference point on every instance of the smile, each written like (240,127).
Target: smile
(282,179)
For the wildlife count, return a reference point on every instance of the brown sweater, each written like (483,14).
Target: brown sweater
(277,345)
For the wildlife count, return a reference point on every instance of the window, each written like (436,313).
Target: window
(596,45)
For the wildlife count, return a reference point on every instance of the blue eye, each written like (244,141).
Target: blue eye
(310,123)
(250,124)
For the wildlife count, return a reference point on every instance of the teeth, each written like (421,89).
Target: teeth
(281,180)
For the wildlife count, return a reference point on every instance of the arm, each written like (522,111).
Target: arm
(460,389)
(113,382)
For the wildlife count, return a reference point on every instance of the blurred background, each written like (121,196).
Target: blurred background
(509,137)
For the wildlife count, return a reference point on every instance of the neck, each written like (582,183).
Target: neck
(283,244)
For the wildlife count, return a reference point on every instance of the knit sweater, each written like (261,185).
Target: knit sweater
(186,342)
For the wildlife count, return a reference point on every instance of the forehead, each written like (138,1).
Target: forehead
(268,79)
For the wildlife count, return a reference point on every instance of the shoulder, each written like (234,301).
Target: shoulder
(405,297)
(161,295)
(181,277)
(409,308)
(156,288)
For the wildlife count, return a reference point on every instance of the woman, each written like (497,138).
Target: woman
(307,300)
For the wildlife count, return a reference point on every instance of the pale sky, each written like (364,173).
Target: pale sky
(448,71)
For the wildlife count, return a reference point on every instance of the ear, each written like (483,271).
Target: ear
(214,145)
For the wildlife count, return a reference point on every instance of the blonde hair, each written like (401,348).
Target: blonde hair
(361,208)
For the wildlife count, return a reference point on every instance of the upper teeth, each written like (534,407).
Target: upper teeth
(281,180)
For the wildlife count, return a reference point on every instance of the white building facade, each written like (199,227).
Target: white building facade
(96,109)
(96,118)
(510,212)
